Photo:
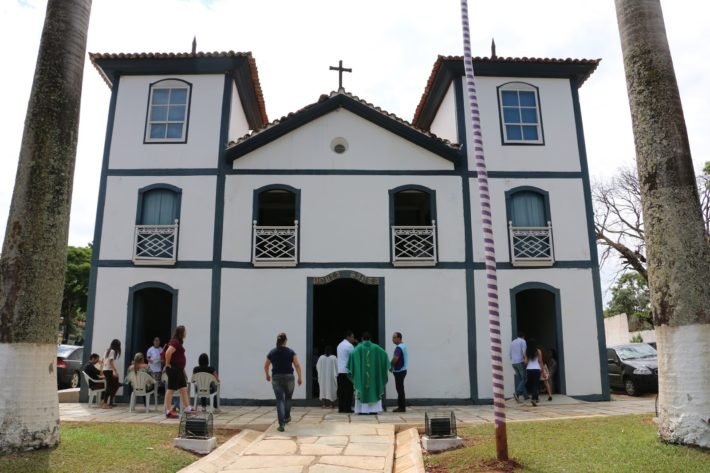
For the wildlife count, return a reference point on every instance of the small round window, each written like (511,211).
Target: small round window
(339,145)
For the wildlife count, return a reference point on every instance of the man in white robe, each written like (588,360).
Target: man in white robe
(327,367)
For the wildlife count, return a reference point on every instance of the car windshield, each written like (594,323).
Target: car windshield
(635,352)
(64,351)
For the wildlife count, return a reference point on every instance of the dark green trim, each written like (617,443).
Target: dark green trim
(432,210)
(450,70)
(589,210)
(340,172)
(234,66)
(216,295)
(531,174)
(558,322)
(163,172)
(129,347)
(332,103)
(500,116)
(462,135)
(187,113)
(98,228)
(141,193)
(186,264)
(310,362)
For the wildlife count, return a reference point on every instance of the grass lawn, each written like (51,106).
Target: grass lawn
(608,444)
(107,447)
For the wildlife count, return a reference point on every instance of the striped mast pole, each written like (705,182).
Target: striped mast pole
(489,245)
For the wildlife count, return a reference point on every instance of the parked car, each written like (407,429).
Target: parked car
(69,359)
(633,367)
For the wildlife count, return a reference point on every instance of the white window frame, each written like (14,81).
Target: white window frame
(170,84)
(520,87)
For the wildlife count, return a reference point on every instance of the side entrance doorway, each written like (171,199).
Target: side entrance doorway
(536,311)
(340,301)
(152,312)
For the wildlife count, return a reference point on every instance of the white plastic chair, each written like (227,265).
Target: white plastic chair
(94,394)
(141,382)
(202,383)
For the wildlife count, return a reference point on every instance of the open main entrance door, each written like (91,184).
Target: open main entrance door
(343,300)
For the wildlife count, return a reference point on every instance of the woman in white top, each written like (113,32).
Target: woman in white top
(111,373)
(534,362)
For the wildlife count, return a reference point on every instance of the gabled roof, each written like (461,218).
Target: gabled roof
(241,66)
(352,103)
(446,68)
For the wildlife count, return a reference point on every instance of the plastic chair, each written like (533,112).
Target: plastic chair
(94,394)
(202,383)
(141,383)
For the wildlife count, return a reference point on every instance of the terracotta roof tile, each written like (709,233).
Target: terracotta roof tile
(440,60)
(325,97)
(254,72)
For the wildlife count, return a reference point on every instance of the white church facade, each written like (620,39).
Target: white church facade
(342,216)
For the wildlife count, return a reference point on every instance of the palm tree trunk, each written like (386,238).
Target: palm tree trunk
(33,259)
(678,254)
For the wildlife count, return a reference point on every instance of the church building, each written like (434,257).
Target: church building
(341,216)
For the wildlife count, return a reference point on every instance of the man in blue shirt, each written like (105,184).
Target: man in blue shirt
(399,370)
(517,358)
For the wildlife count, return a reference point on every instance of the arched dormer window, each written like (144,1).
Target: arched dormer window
(530,227)
(168,111)
(275,236)
(520,117)
(156,234)
(413,226)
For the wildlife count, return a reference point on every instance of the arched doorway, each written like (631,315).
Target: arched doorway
(152,312)
(340,301)
(536,311)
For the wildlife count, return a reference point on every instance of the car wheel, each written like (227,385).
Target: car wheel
(630,387)
(75,380)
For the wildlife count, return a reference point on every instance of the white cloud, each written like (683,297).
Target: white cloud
(391,46)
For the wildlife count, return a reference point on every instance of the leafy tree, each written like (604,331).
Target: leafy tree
(630,296)
(76,291)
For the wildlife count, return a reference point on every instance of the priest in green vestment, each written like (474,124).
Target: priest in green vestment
(368,368)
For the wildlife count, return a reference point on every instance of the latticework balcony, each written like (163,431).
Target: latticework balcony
(414,245)
(275,246)
(531,246)
(155,244)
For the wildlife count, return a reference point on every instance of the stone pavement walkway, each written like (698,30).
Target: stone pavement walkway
(323,441)
(262,417)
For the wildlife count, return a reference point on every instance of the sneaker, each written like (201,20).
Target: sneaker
(534,403)
(517,398)
(171,415)
(280,428)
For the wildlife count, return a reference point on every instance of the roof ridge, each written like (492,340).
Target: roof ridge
(333,94)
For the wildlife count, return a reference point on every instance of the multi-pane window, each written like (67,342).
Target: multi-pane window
(520,114)
(167,112)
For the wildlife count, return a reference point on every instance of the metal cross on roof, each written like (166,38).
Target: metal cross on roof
(340,70)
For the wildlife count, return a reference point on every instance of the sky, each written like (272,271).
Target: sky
(391,45)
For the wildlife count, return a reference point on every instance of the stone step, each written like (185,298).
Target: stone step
(225,454)
(408,452)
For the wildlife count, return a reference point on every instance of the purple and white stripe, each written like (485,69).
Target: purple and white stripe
(487,221)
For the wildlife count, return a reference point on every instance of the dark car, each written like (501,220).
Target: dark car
(633,367)
(69,359)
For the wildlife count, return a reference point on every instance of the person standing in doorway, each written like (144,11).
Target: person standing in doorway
(327,367)
(399,370)
(367,367)
(175,369)
(517,358)
(345,386)
(154,360)
(534,362)
(282,361)
(111,373)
